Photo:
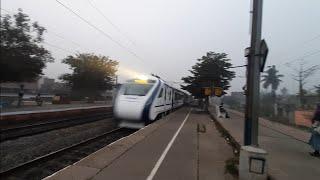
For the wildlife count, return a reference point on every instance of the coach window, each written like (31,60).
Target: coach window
(160,94)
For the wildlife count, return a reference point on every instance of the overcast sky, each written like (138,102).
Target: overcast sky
(169,35)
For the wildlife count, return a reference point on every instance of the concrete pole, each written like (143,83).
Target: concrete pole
(253,78)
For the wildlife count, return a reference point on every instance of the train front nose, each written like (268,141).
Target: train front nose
(129,108)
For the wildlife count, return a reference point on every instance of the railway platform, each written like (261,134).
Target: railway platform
(37,111)
(287,147)
(49,107)
(183,145)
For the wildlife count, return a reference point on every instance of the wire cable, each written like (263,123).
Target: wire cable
(75,43)
(53,33)
(98,29)
(312,39)
(109,21)
(57,47)
(62,37)
(301,57)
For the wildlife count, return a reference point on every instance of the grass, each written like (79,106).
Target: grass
(231,166)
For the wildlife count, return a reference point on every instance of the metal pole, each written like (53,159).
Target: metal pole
(253,78)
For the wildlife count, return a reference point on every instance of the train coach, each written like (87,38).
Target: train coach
(140,101)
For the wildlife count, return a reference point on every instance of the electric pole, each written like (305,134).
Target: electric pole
(253,77)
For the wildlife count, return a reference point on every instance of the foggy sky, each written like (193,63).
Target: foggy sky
(169,35)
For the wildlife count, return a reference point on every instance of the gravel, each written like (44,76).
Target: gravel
(47,167)
(15,152)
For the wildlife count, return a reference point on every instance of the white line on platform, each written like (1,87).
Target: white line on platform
(164,153)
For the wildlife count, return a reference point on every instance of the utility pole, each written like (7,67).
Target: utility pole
(253,77)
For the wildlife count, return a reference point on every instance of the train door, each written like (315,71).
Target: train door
(169,99)
(160,102)
(173,99)
(165,108)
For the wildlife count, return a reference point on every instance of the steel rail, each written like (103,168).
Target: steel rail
(52,155)
(33,129)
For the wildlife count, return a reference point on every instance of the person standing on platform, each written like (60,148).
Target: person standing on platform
(315,137)
(20,95)
(39,100)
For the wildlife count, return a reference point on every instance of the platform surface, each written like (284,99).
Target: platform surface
(287,147)
(57,108)
(183,145)
(25,109)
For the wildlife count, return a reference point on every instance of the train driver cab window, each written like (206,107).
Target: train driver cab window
(137,89)
(160,94)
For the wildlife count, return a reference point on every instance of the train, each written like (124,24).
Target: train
(139,102)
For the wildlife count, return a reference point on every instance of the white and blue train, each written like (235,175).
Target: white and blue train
(139,102)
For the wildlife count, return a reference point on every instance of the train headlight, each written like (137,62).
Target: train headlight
(142,77)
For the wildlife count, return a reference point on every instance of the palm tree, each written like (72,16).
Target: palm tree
(272,78)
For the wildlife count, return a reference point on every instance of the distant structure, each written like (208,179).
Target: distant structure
(43,85)
(46,85)
(13,87)
(235,100)
(239,96)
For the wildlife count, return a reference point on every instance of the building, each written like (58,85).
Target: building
(46,85)
(239,96)
(12,88)
(236,100)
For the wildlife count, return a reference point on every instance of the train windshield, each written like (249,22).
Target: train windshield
(137,89)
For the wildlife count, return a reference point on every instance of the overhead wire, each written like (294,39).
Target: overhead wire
(311,39)
(109,21)
(301,57)
(75,43)
(307,55)
(60,48)
(62,37)
(55,34)
(98,29)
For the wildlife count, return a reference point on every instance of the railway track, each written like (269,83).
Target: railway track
(43,166)
(32,129)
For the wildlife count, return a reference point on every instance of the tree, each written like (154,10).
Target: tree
(284,91)
(302,75)
(210,71)
(272,78)
(91,74)
(22,55)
